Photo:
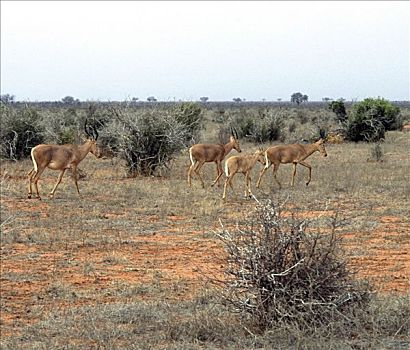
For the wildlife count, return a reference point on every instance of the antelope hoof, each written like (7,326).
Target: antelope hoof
(29,196)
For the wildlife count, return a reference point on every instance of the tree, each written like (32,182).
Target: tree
(237,99)
(298,98)
(69,100)
(204,99)
(7,98)
(151,99)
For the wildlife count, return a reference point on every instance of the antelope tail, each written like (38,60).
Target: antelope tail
(266,160)
(190,156)
(33,159)
(226,169)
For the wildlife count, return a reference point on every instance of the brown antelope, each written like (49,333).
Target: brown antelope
(295,154)
(242,164)
(61,157)
(204,153)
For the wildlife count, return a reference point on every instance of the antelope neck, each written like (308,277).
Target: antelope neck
(228,147)
(309,149)
(84,149)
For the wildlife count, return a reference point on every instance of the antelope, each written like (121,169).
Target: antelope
(61,157)
(205,153)
(295,153)
(242,164)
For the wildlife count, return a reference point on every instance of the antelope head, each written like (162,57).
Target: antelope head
(321,147)
(260,153)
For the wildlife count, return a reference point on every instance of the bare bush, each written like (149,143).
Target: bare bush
(281,271)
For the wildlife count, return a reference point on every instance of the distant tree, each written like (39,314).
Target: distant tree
(68,100)
(7,98)
(326,99)
(297,98)
(134,99)
(151,99)
(305,98)
(204,99)
(237,99)
(279,99)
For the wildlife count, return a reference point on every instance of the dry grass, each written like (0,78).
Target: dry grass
(124,265)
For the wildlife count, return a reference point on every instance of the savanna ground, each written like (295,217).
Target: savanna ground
(130,263)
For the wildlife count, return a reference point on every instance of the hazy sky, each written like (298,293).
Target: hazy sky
(103,50)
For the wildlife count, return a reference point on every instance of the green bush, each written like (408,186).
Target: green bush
(20,131)
(147,140)
(338,107)
(266,126)
(370,119)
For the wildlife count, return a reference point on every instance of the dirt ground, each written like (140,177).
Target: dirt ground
(37,277)
(154,239)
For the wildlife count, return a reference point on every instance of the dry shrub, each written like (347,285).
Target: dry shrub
(147,140)
(281,271)
(20,131)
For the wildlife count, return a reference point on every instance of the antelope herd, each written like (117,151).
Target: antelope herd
(63,157)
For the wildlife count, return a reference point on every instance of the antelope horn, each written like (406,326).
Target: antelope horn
(86,128)
(236,134)
(95,133)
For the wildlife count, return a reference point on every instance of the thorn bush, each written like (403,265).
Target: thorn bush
(279,270)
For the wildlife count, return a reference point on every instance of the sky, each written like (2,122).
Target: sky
(183,50)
